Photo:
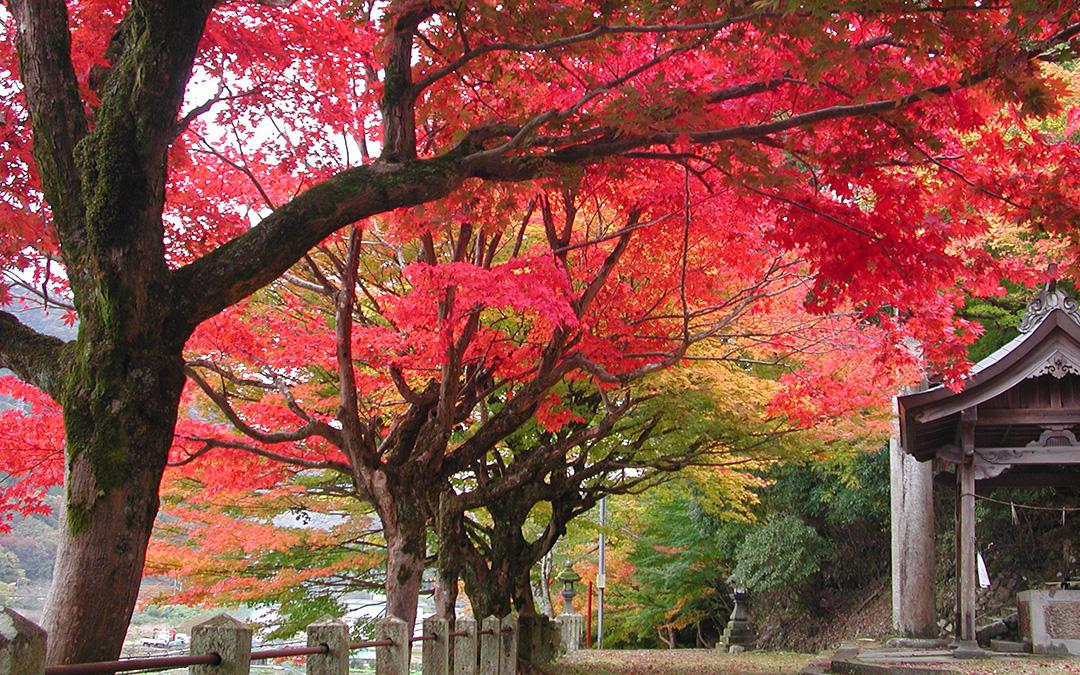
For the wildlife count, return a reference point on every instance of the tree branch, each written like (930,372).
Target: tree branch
(35,358)
(216,443)
(312,427)
(250,261)
(56,110)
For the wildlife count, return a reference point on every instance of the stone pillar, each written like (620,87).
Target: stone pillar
(227,637)
(394,659)
(465,647)
(911,490)
(22,644)
(335,635)
(489,646)
(436,652)
(569,632)
(508,640)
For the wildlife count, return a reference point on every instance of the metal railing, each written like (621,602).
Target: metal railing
(211,659)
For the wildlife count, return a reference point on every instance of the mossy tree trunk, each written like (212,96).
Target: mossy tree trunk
(450,535)
(491,580)
(497,572)
(399,502)
(119,382)
(118,441)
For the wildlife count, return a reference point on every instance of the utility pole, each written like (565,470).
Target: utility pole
(601,578)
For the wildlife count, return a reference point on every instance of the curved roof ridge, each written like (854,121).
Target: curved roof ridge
(1044,303)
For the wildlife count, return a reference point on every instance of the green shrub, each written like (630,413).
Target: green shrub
(783,553)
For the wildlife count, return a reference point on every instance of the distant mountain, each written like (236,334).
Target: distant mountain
(48,321)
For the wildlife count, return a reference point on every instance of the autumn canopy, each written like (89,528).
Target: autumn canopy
(382,238)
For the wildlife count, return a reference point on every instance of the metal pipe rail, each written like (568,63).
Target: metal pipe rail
(212,659)
(289,651)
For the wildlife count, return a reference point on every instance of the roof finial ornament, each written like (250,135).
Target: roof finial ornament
(1047,300)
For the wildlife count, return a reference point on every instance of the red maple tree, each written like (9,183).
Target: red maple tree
(162,162)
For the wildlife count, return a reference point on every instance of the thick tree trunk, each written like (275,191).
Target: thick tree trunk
(493,584)
(450,535)
(524,602)
(119,413)
(122,377)
(405,529)
(488,593)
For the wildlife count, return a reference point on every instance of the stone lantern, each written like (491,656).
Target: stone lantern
(570,623)
(737,636)
(568,577)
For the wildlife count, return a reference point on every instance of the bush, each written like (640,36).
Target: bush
(785,552)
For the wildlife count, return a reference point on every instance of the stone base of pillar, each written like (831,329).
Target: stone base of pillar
(737,633)
(570,626)
(967,649)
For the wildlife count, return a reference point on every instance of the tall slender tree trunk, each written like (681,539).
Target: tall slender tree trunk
(546,567)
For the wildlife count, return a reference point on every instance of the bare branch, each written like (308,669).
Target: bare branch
(217,443)
(313,427)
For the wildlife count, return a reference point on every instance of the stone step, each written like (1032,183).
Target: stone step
(1011,646)
(857,667)
(918,643)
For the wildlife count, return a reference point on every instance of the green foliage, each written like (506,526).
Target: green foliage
(10,570)
(299,608)
(171,615)
(681,558)
(784,553)
(838,492)
(1037,545)
(999,317)
(33,541)
(846,500)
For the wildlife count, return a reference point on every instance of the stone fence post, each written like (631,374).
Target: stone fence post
(465,647)
(436,653)
(508,640)
(229,638)
(489,646)
(394,659)
(22,644)
(335,635)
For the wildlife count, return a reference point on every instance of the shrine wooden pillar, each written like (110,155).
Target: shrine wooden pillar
(967,577)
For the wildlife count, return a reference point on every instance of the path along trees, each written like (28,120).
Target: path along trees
(123,202)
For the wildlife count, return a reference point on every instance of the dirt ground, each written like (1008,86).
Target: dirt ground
(711,662)
(678,662)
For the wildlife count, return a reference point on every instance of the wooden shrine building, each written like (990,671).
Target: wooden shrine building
(1016,422)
